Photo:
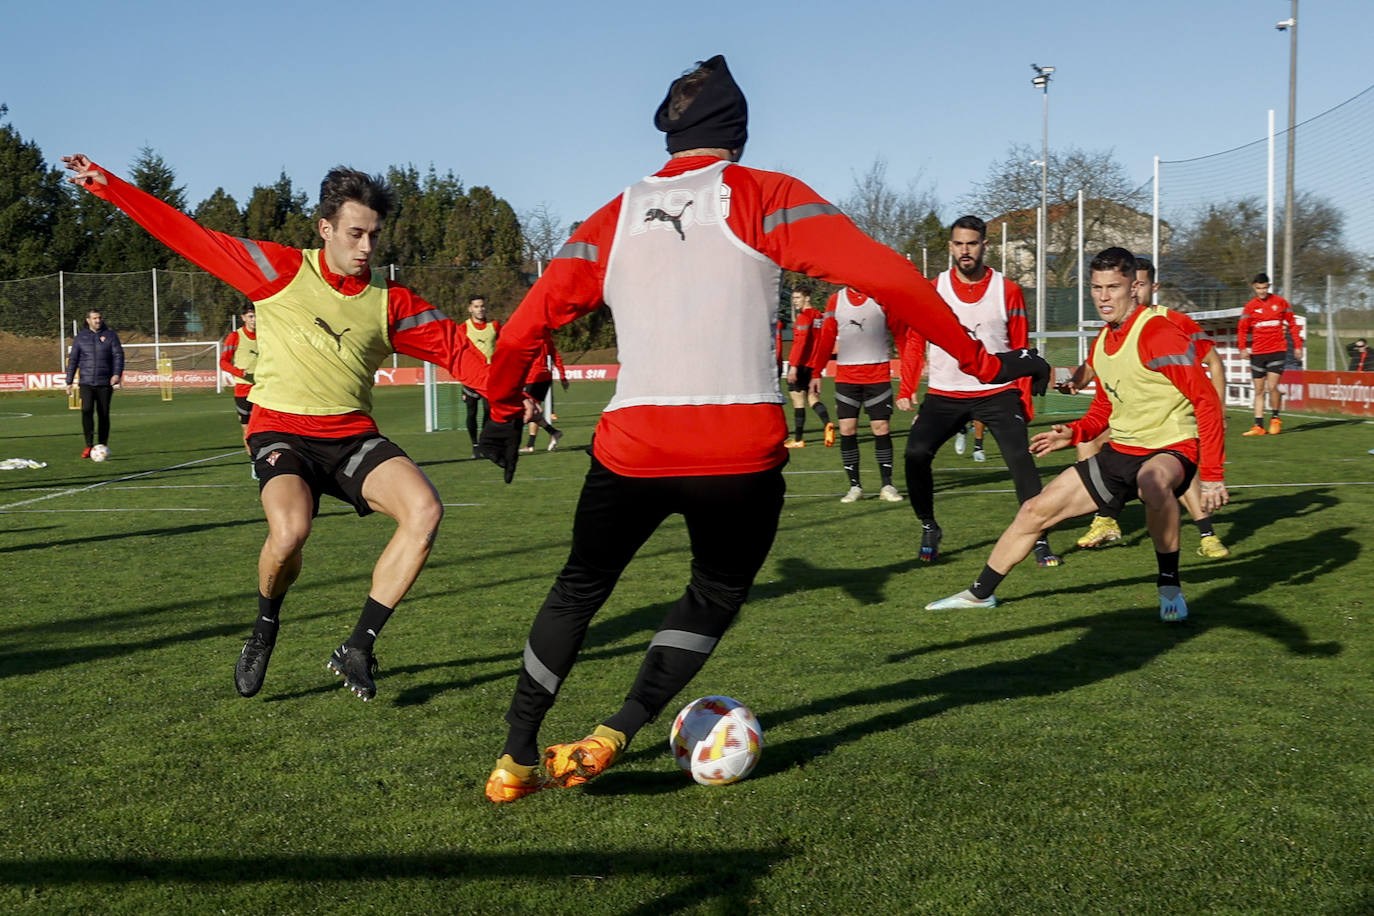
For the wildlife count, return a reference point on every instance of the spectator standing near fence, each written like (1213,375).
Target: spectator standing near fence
(1265,317)
(99,357)
(1360,360)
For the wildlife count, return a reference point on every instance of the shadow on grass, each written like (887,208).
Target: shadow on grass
(723,878)
(121,535)
(1111,643)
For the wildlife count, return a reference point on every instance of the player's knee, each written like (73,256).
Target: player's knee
(424,515)
(285,539)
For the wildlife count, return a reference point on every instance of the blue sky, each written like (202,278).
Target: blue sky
(552,102)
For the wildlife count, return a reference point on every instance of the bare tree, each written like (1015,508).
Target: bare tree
(1116,211)
(543,234)
(897,218)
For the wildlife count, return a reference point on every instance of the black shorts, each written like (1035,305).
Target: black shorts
(803,381)
(1110,476)
(1261,364)
(337,467)
(876,401)
(470,395)
(537,390)
(244,407)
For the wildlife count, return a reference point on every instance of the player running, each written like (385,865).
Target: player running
(1105,526)
(1266,315)
(537,384)
(1166,425)
(327,323)
(993,310)
(805,362)
(861,332)
(689,261)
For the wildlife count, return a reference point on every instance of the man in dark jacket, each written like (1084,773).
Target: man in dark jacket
(97,353)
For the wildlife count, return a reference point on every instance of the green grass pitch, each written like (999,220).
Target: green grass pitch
(1064,753)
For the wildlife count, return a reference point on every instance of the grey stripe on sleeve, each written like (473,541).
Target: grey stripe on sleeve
(269,273)
(414,321)
(1186,358)
(797,214)
(540,672)
(584,251)
(681,639)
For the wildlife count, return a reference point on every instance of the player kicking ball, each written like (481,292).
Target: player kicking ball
(1166,424)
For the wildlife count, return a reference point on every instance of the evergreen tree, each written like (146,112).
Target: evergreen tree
(30,203)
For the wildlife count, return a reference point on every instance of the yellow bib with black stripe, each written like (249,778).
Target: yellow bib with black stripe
(318,349)
(1148,411)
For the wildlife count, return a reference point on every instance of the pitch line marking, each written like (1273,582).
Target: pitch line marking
(161,509)
(14,415)
(75,490)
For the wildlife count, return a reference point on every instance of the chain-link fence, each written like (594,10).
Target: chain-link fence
(1223,221)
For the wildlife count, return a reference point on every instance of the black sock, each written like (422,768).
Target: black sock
(373,618)
(630,719)
(798,422)
(522,744)
(978,444)
(849,454)
(529,443)
(1168,568)
(1259,421)
(882,448)
(269,616)
(986,583)
(821,412)
(1204,526)
(1276,414)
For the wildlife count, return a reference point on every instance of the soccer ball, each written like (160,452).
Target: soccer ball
(717,740)
(100,453)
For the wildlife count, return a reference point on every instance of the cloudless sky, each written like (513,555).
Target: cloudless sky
(553,102)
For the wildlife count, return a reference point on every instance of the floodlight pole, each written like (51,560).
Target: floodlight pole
(1290,25)
(1041,81)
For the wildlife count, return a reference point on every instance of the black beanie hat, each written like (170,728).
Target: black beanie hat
(718,118)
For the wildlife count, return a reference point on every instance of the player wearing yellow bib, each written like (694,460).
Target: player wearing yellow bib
(325,323)
(483,334)
(1166,424)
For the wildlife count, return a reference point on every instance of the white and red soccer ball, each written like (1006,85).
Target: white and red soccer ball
(716,739)
(99,453)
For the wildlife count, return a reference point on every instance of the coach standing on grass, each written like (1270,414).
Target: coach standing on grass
(689,261)
(326,323)
(98,354)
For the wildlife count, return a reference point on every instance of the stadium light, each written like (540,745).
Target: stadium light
(1041,81)
(1290,25)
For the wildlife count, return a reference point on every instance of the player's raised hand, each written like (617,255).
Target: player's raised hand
(1058,436)
(86,172)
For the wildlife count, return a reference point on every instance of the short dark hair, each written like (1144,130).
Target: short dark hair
(1146,265)
(685,90)
(1115,258)
(1261,277)
(94,311)
(343,184)
(248,308)
(970,222)
(475,296)
(805,287)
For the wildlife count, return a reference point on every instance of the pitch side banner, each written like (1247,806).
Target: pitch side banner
(1329,392)
(205,378)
